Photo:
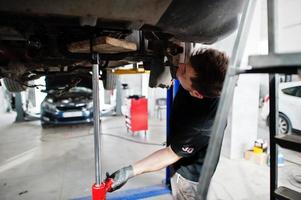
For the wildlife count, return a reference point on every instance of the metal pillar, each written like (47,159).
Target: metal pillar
(96,116)
(273,90)
(215,143)
(119,96)
(19,107)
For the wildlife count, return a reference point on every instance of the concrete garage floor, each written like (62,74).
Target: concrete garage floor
(58,163)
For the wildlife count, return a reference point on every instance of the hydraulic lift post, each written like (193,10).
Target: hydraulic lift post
(96,122)
(96,116)
(99,188)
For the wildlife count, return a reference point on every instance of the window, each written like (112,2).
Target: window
(293,91)
(298,92)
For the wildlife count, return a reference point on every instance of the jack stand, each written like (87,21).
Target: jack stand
(98,189)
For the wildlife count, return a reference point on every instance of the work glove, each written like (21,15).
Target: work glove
(120,177)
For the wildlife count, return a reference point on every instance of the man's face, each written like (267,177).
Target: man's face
(184,74)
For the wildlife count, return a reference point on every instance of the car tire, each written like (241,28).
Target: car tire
(109,80)
(13,86)
(285,126)
(45,125)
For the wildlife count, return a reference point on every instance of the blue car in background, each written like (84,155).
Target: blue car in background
(70,107)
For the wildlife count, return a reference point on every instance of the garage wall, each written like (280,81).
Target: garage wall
(155,93)
(3,103)
(289,26)
(4,99)
(134,82)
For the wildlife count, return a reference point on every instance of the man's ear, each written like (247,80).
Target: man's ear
(197,94)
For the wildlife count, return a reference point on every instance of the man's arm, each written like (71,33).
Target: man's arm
(156,161)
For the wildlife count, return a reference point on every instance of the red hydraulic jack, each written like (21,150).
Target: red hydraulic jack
(99,190)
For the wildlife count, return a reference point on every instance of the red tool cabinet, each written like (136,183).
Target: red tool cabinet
(136,118)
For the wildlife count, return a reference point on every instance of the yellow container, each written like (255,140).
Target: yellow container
(257,150)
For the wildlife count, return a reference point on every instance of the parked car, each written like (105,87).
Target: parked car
(36,36)
(289,107)
(71,107)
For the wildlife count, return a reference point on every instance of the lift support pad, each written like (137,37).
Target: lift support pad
(103,45)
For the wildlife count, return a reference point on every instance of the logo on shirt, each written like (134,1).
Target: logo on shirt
(188,149)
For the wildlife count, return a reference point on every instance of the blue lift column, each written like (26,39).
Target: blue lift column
(171,93)
(176,85)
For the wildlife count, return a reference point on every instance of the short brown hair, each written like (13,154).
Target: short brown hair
(210,66)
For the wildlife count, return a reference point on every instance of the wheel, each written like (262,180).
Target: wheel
(45,125)
(284,124)
(13,86)
(109,80)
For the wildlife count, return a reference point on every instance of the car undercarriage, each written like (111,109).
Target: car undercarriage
(35,35)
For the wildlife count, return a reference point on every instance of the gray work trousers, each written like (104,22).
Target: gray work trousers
(182,188)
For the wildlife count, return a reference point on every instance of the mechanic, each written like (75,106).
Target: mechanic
(192,118)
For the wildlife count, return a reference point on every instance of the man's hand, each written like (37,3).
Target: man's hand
(120,177)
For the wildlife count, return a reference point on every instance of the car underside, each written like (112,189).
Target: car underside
(36,35)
